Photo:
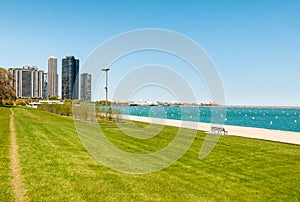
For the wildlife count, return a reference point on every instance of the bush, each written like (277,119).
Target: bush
(103,103)
(64,109)
(21,102)
(53,97)
(7,102)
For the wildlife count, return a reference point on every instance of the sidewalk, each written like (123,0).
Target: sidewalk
(258,133)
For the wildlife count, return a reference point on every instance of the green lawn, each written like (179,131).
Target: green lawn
(5,178)
(56,166)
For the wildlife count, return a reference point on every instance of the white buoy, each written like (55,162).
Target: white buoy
(295,121)
(271,122)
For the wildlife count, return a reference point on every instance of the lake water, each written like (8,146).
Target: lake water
(287,119)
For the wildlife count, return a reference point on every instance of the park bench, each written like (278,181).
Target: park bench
(218,130)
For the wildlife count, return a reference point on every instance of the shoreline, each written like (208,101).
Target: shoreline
(241,131)
(262,106)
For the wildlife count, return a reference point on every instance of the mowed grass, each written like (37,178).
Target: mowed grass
(57,167)
(5,177)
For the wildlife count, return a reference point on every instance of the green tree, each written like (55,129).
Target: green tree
(6,89)
(103,103)
(53,97)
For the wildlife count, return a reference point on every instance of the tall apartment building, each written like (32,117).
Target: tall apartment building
(45,85)
(28,82)
(69,84)
(85,86)
(52,76)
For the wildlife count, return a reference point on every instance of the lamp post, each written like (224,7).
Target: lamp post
(106,90)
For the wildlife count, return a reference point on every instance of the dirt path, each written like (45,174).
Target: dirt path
(17,186)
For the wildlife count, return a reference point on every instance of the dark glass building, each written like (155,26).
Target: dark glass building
(45,85)
(69,84)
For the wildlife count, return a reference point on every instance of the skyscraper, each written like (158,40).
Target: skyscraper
(85,86)
(52,76)
(28,82)
(69,84)
(45,85)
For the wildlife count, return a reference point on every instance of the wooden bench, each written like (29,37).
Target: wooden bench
(218,130)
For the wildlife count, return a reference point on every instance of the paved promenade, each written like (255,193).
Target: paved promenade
(258,133)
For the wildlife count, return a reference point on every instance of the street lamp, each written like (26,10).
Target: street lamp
(106,89)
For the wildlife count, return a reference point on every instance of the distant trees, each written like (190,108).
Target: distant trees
(53,97)
(61,109)
(21,102)
(7,93)
(103,103)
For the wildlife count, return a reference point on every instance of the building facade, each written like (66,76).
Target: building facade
(85,86)
(52,77)
(45,85)
(28,82)
(69,83)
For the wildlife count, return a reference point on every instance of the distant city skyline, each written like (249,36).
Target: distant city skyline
(254,44)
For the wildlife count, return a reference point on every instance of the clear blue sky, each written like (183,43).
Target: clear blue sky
(254,44)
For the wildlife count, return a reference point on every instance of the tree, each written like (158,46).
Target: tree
(53,97)
(6,89)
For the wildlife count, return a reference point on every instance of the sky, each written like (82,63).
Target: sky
(254,44)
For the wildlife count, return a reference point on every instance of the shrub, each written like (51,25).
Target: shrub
(64,109)
(7,102)
(21,102)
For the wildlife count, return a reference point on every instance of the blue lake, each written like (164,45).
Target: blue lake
(287,119)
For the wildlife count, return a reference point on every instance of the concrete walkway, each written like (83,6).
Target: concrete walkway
(258,133)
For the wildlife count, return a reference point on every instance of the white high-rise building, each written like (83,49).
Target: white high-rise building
(28,82)
(52,76)
(85,86)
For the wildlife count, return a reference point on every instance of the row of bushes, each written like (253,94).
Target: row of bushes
(7,102)
(83,112)
(61,109)
(19,101)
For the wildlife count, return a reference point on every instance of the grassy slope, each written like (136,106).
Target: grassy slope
(5,178)
(57,167)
